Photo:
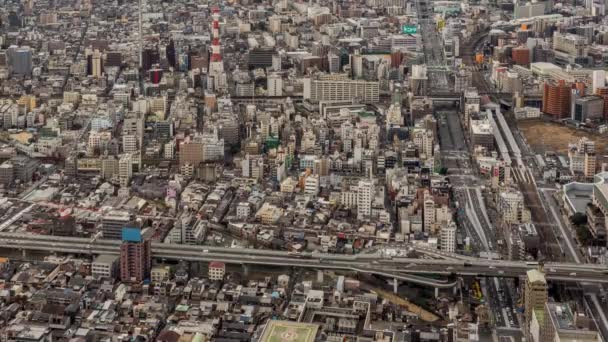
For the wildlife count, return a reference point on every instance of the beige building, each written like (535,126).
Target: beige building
(582,158)
(535,296)
(158,274)
(269,214)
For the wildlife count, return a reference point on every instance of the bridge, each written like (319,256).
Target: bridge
(400,268)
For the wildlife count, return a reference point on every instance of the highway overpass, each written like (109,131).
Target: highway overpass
(402,268)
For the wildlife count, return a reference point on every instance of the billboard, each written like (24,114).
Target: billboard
(409,29)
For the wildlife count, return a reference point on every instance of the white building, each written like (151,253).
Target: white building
(129,143)
(275,85)
(169,151)
(311,185)
(105,266)
(448,237)
(365,193)
(429,213)
(243,210)
(599,79)
(125,169)
(253,166)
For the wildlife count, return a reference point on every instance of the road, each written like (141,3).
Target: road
(432,47)
(372,263)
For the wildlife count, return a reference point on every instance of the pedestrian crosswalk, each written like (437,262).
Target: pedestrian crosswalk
(473,67)
(521,176)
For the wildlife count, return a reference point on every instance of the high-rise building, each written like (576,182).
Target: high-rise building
(129,143)
(603,93)
(253,166)
(583,160)
(96,64)
(556,99)
(125,169)
(588,108)
(135,256)
(261,57)
(535,297)
(448,237)
(598,80)
(20,60)
(190,153)
(521,55)
(365,192)
(275,85)
(428,211)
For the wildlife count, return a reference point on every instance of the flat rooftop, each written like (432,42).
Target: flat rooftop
(286,331)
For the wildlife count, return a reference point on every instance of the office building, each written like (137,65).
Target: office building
(365,193)
(341,90)
(260,57)
(129,143)
(603,93)
(529,9)
(253,166)
(96,64)
(598,80)
(113,222)
(560,324)
(482,134)
(570,44)
(6,173)
(190,153)
(512,208)
(448,237)
(105,266)
(20,60)
(588,108)
(135,256)
(429,212)
(535,297)
(125,169)
(275,85)
(24,168)
(583,160)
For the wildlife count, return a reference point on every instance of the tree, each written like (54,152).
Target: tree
(584,235)
(578,219)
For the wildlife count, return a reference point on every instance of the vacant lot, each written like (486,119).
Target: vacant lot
(547,136)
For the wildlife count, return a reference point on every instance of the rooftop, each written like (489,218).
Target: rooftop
(536,276)
(281,331)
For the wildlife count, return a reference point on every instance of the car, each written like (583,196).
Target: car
(573,274)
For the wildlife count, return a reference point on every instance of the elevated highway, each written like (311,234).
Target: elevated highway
(402,268)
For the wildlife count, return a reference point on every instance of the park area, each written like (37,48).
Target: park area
(544,136)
